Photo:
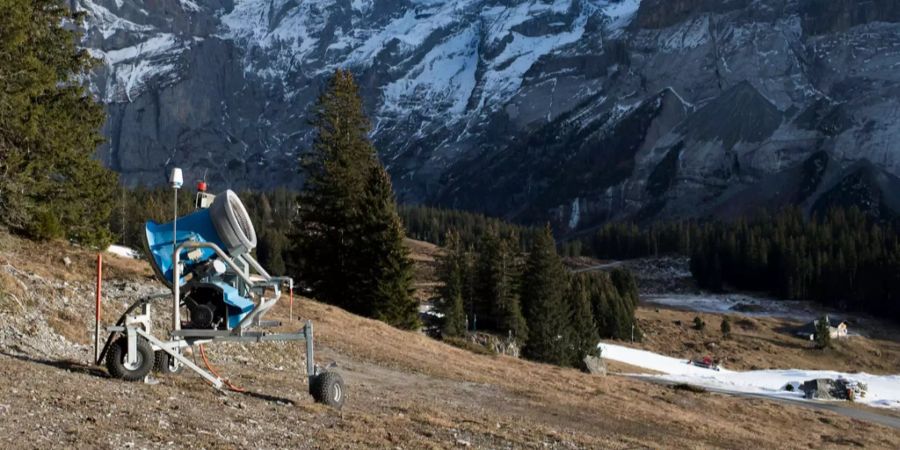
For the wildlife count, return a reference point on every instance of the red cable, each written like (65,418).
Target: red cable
(210,368)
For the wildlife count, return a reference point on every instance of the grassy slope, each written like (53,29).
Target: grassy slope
(405,390)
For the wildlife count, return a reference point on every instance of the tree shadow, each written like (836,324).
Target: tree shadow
(64,364)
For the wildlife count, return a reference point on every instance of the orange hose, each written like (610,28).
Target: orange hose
(210,368)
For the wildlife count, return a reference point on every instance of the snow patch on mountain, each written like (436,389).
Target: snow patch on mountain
(102,20)
(277,35)
(506,72)
(501,20)
(619,13)
(133,66)
(410,30)
(692,35)
(446,76)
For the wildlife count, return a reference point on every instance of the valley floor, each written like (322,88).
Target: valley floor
(405,390)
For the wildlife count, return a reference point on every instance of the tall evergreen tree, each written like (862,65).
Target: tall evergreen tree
(543,288)
(347,239)
(452,271)
(382,258)
(823,333)
(583,337)
(496,297)
(50,185)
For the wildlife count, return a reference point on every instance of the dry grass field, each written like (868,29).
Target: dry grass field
(405,390)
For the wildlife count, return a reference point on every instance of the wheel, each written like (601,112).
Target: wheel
(328,388)
(118,368)
(166,364)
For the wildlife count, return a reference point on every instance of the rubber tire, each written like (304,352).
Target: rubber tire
(161,364)
(328,388)
(115,363)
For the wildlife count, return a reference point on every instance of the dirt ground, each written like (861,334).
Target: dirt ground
(404,390)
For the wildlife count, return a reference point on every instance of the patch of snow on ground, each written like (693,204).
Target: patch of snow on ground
(125,252)
(883,390)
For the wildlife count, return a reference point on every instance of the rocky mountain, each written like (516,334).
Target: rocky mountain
(580,111)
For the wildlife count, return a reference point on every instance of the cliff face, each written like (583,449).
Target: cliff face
(835,16)
(575,110)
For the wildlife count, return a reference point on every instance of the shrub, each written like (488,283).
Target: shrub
(46,226)
(699,324)
(726,326)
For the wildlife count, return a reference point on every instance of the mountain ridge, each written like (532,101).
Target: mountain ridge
(223,88)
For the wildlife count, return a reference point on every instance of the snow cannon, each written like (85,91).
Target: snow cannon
(211,299)
(219,293)
(225,223)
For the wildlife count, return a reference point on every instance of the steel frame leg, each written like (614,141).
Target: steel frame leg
(310,351)
(216,382)
(131,355)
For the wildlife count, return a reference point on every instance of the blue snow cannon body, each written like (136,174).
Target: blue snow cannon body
(212,295)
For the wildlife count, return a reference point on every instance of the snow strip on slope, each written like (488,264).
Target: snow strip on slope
(125,252)
(884,390)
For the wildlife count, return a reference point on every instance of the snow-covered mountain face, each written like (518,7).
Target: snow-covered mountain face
(576,110)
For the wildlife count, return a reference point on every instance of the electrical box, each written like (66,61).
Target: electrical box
(204,200)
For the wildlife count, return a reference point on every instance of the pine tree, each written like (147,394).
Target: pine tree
(543,287)
(600,295)
(823,333)
(454,316)
(497,300)
(382,258)
(582,334)
(270,250)
(452,272)
(726,327)
(347,239)
(50,184)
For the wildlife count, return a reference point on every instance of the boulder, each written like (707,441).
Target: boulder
(818,389)
(833,389)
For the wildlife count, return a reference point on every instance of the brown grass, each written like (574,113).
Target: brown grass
(762,343)
(404,390)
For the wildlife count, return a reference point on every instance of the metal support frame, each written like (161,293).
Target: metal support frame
(185,338)
(160,345)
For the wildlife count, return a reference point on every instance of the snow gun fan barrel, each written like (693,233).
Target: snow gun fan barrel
(225,223)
